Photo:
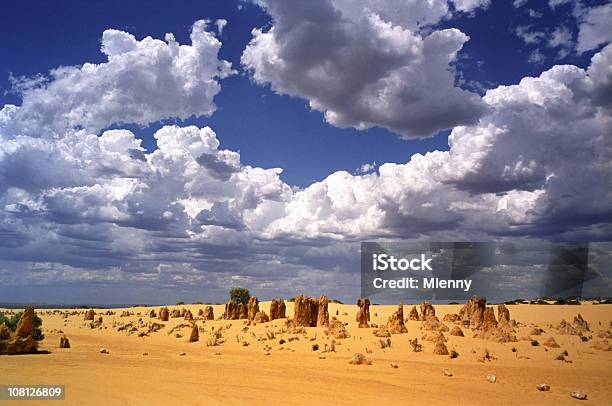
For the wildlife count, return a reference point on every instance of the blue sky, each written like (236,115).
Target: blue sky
(395,119)
(253,118)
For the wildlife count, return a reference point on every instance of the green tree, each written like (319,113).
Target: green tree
(11,323)
(240,295)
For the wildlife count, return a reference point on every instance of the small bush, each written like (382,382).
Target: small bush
(11,323)
(240,295)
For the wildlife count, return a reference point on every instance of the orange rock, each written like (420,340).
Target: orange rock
(305,311)
(323,312)
(395,324)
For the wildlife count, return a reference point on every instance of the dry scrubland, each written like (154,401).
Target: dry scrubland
(276,361)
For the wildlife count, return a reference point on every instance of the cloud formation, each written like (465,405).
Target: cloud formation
(141,82)
(98,211)
(594,27)
(591,30)
(363,64)
(539,163)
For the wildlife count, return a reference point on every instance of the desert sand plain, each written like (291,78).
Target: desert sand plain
(164,368)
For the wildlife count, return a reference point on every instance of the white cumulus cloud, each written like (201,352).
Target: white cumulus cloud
(365,67)
(141,82)
(99,211)
(538,163)
(594,28)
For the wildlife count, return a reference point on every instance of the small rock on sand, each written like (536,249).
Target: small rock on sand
(359,359)
(447,373)
(64,342)
(104,351)
(456,331)
(551,343)
(491,378)
(543,387)
(440,348)
(579,395)
(394,365)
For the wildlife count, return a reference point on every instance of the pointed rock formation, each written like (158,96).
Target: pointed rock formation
(434,325)
(277,309)
(363,314)
(64,342)
(242,311)
(20,341)
(477,315)
(456,331)
(413,314)
(488,319)
(305,311)
(434,337)
(195,335)
(323,312)
(382,332)
(450,317)
(252,308)
(440,348)
(503,314)
(260,317)
(231,311)
(164,314)
(188,315)
(96,323)
(551,343)
(581,324)
(427,311)
(395,324)
(489,329)
(473,312)
(89,315)
(337,329)
(25,325)
(208,313)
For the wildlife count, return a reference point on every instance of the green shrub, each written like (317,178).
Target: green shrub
(240,295)
(11,323)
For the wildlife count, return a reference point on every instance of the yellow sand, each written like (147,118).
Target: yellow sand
(235,374)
